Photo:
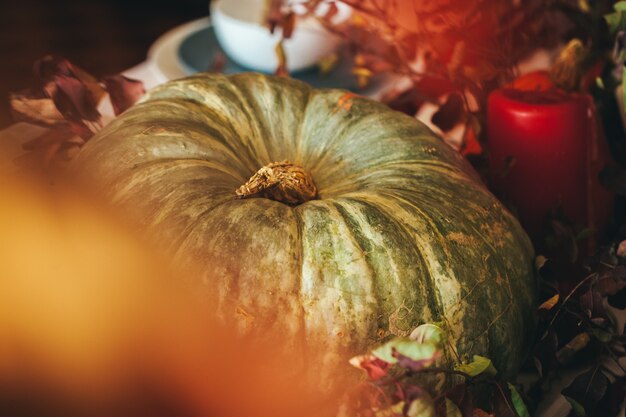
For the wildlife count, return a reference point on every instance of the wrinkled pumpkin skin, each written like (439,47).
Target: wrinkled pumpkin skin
(404,232)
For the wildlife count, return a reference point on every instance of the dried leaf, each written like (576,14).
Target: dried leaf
(273,14)
(471,145)
(46,150)
(588,389)
(331,12)
(462,397)
(545,353)
(406,101)
(288,25)
(540,261)
(550,303)
(95,89)
(621,249)
(74,99)
(567,71)
(218,63)
(124,92)
(452,410)
(40,111)
(328,63)
(375,367)
(281,70)
(611,281)
(363,76)
(578,343)
(450,114)
(577,409)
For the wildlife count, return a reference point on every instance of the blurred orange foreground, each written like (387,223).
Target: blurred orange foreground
(92,325)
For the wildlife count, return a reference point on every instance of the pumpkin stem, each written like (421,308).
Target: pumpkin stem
(280,181)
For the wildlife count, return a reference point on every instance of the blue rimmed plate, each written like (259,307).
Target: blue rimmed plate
(193,48)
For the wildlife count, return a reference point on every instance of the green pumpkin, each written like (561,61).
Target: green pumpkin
(402,233)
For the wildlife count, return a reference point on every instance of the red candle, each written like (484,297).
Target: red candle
(545,151)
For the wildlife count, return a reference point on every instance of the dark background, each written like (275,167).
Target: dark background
(102,36)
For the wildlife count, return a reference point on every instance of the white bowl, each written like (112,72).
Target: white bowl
(243,37)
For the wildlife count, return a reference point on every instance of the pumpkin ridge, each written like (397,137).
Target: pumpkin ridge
(299,255)
(189,229)
(501,269)
(441,260)
(297,157)
(433,300)
(263,114)
(202,162)
(358,240)
(205,127)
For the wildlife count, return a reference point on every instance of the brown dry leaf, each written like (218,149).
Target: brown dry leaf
(407,101)
(40,111)
(578,343)
(481,413)
(75,92)
(550,303)
(281,57)
(363,76)
(327,64)
(218,63)
(273,14)
(123,92)
(450,113)
(567,71)
(332,11)
(540,261)
(288,25)
(46,149)
(621,249)
(74,99)
(96,91)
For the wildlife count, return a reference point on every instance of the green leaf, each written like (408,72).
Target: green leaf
(452,410)
(577,408)
(428,333)
(616,21)
(421,407)
(479,365)
(518,403)
(406,347)
(600,83)
(395,410)
(620,6)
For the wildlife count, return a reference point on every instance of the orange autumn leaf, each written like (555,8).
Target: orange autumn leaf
(471,146)
(550,303)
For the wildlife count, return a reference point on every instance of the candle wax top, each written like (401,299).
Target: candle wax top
(540,97)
